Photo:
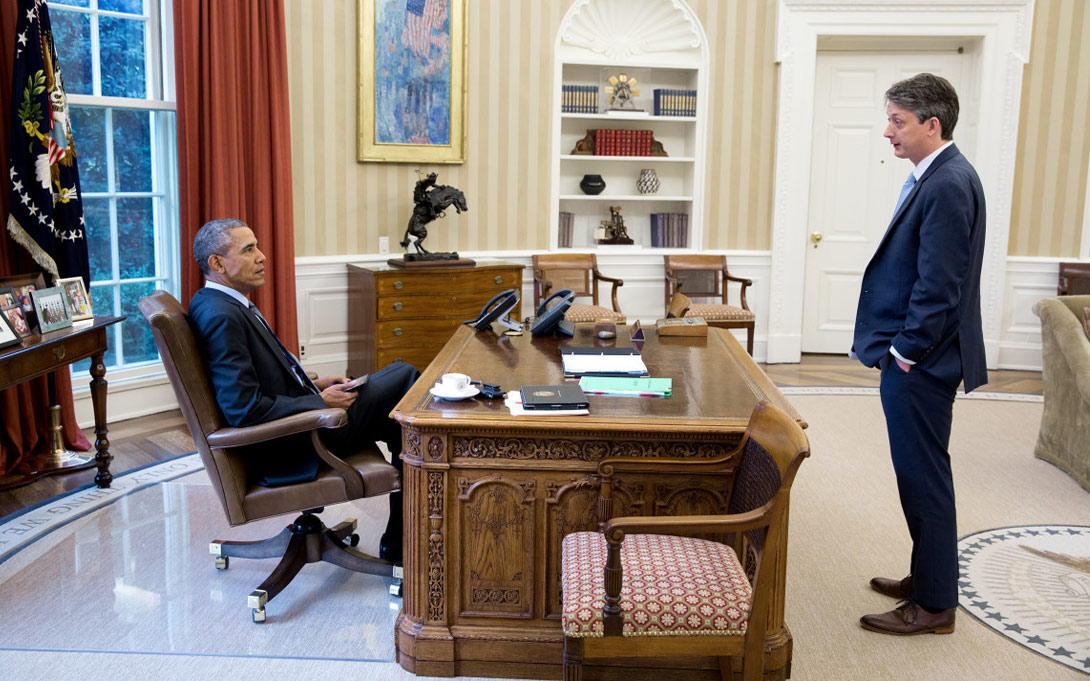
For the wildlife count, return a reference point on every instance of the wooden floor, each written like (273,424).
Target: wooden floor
(150,439)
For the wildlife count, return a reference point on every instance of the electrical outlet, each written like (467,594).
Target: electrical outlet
(302,351)
(384,244)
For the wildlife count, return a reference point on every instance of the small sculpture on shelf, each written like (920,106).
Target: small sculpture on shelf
(612,231)
(431,201)
(621,92)
(585,146)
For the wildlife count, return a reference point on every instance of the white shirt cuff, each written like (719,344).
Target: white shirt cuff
(896,354)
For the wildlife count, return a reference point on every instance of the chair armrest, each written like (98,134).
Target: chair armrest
(289,425)
(613,291)
(614,530)
(727,276)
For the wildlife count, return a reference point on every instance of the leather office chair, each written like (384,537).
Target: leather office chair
(706,276)
(1074,279)
(307,540)
(659,594)
(578,272)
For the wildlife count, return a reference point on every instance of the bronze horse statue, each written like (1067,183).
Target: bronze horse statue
(432,200)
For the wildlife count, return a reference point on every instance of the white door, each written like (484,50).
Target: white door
(855,179)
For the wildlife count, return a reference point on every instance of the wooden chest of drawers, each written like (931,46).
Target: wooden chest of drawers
(409,314)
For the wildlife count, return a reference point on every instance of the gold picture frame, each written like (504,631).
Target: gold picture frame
(409,27)
(79,302)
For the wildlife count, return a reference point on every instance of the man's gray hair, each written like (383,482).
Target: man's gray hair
(213,238)
(927,95)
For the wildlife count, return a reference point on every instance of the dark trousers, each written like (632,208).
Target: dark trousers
(919,411)
(369,422)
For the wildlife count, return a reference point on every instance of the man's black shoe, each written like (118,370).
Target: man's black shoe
(389,547)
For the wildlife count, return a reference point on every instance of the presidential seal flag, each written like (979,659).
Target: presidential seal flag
(46,211)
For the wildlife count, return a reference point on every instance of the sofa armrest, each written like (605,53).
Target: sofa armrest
(1059,319)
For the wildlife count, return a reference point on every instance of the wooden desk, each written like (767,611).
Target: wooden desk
(489,496)
(41,354)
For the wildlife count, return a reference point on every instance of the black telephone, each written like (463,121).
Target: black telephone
(501,304)
(551,320)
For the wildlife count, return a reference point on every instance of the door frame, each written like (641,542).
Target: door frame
(1000,29)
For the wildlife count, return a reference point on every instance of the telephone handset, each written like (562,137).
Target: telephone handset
(501,304)
(549,320)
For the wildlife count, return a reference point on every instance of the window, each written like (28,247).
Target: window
(116,57)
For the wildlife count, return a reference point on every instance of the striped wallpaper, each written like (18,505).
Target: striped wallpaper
(343,207)
(1053,134)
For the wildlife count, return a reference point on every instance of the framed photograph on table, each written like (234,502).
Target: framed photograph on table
(17,318)
(7,297)
(79,303)
(8,336)
(52,309)
(412,76)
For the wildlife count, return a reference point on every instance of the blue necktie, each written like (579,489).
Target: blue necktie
(909,183)
(296,367)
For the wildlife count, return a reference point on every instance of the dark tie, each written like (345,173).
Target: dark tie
(909,183)
(296,367)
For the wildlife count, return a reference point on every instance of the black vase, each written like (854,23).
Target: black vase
(592,184)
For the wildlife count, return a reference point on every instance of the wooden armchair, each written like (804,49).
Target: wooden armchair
(307,540)
(578,272)
(637,589)
(706,276)
(1074,279)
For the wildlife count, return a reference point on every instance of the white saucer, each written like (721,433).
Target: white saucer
(470,391)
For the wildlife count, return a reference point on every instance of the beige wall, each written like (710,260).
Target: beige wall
(1053,134)
(343,207)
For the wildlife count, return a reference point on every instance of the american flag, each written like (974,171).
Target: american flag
(422,19)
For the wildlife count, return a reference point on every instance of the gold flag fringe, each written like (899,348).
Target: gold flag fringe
(26,241)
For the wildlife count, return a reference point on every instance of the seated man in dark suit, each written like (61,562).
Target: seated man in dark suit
(257,379)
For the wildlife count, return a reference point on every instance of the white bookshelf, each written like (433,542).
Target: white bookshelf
(663,40)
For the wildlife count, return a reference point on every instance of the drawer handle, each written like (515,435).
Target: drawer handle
(398,286)
(398,306)
(498,279)
(397,331)
(59,352)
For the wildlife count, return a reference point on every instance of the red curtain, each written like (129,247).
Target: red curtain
(25,407)
(234,139)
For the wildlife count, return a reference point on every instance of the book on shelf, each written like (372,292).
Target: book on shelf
(567,223)
(671,102)
(612,142)
(669,230)
(579,99)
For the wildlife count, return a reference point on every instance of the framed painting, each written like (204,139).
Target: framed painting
(412,76)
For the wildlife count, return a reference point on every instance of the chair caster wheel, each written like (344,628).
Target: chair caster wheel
(396,589)
(352,540)
(223,562)
(258,615)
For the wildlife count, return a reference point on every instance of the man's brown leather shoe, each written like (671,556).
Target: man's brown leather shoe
(908,619)
(901,589)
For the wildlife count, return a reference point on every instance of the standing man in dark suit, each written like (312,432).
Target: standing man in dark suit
(257,379)
(919,321)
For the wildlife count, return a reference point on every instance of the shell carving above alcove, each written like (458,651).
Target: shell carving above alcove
(625,29)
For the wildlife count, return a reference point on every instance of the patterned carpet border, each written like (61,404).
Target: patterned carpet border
(848,390)
(1031,584)
(19,530)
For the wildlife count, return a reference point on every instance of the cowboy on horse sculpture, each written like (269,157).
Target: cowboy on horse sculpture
(431,200)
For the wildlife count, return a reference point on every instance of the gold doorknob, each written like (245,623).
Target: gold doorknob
(815,237)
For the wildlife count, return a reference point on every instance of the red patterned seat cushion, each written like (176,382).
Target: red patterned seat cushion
(712,312)
(592,313)
(673,586)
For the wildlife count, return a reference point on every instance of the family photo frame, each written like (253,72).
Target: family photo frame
(8,335)
(17,318)
(79,303)
(51,307)
(411,81)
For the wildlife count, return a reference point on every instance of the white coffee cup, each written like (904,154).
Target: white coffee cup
(454,383)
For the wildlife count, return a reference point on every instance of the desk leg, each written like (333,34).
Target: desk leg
(98,401)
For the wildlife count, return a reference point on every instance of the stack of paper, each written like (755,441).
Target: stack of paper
(634,387)
(602,362)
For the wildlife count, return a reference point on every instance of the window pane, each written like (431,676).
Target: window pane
(132,150)
(72,40)
(96,220)
(136,340)
(121,46)
(89,131)
(127,6)
(135,238)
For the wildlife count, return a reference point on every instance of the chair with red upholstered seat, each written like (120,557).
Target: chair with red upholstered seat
(578,272)
(307,540)
(639,588)
(706,276)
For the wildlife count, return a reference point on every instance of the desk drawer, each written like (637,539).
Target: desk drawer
(458,305)
(398,283)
